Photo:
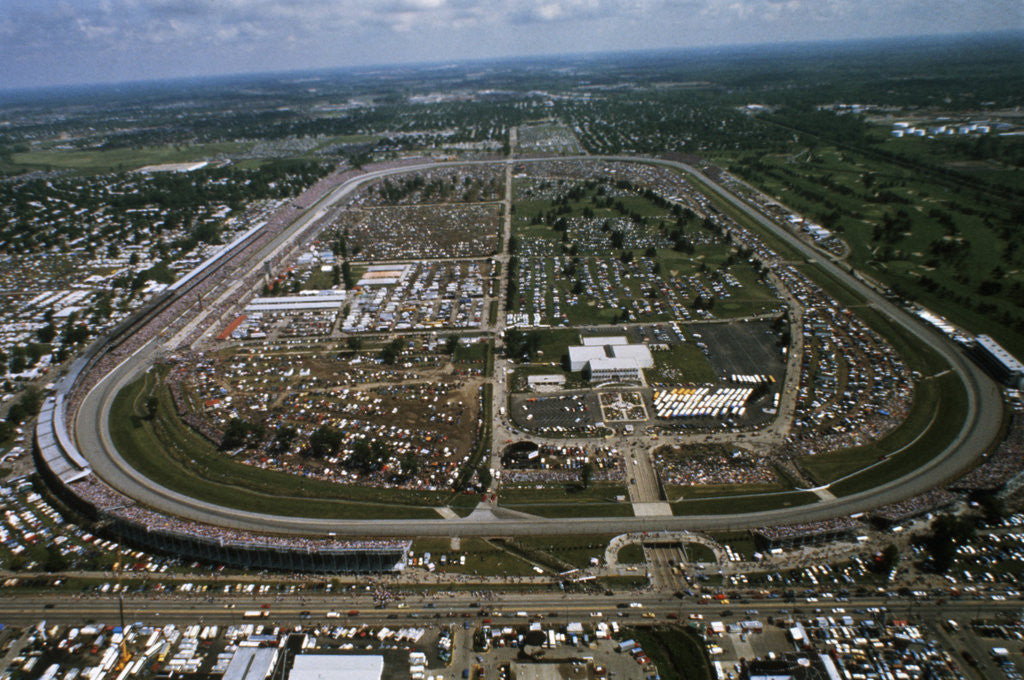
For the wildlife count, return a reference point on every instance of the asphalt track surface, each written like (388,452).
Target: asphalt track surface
(982,420)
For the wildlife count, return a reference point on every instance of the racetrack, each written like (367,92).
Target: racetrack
(981,421)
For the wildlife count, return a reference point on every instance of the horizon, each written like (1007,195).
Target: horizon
(559,58)
(49,44)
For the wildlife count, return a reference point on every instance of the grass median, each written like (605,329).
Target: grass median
(561,500)
(743,504)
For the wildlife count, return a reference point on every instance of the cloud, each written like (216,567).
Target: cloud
(121,39)
(546,11)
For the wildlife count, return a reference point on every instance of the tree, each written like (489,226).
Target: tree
(284,437)
(887,560)
(586,474)
(324,442)
(946,532)
(54,561)
(451,343)
(391,351)
(152,404)
(346,275)
(235,434)
(410,464)
(992,507)
(46,333)
(483,474)
(362,456)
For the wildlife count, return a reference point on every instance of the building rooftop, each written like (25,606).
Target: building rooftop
(1010,362)
(337,667)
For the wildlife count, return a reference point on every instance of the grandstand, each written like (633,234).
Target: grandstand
(63,468)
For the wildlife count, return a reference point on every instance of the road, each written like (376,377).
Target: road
(981,422)
(457,607)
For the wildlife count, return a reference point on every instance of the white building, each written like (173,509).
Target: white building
(337,667)
(602,340)
(610,358)
(604,370)
(580,356)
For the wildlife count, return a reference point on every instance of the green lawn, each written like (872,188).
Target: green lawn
(682,363)
(475,353)
(678,652)
(483,558)
(632,554)
(562,501)
(743,504)
(934,420)
(934,210)
(715,490)
(575,549)
(125,159)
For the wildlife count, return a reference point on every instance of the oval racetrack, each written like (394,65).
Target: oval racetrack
(981,421)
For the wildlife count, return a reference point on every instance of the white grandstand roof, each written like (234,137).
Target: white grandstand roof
(294,306)
(1009,362)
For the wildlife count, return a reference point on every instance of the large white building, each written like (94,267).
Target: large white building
(619,370)
(610,358)
(337,667)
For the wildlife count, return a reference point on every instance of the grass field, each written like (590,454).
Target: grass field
(743,504)
(167,450)
(940,408)
(557,501)
(680,363)
(483,558)
(575,549)
(740,541)
(716,490)
(125,159)
(933,214)
(632,554)
(906,459)
(678,652)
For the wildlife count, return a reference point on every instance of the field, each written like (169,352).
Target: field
(599,500)
(590,253)
(935,240)
(417,231)
(483,557)
(677,652)
(544,138)
(164,448)
(743,503)
(928,431)
(242,153)
(120,160)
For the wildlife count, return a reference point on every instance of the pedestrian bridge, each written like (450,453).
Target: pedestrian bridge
(611,553)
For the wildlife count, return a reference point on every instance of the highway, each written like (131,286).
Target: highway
(457,607)
(981,422)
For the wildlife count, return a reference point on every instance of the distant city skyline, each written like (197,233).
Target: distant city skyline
(46,43)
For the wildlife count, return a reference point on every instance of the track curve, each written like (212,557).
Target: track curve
(981,422)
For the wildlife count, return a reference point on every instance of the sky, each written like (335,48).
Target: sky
(72,42)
